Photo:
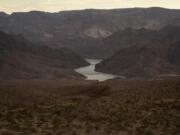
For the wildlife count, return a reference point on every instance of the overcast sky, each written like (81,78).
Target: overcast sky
(10,6)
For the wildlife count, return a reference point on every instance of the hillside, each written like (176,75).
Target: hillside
(130,37)
(82,30)
(144,53)
(20,58)
(113,107)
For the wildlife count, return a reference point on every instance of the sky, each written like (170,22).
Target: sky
(10,6)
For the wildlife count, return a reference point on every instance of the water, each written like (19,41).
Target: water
(90,73)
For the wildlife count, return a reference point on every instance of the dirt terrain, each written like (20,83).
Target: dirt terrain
(76,107)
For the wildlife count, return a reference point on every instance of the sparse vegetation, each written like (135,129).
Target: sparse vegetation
(115,107)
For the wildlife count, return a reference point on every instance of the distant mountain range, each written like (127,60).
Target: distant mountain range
(83,31)
(21,59)
(135,42)
(144,53)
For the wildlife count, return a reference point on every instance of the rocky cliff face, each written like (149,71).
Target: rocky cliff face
(144,53)
(19,58)
(72,28)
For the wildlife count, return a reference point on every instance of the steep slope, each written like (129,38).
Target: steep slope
(144,53)
(130,37)
(19,58)
(72,28)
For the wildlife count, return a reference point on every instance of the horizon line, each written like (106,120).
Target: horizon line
(83,9)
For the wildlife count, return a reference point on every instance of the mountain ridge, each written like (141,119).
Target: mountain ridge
(55,29)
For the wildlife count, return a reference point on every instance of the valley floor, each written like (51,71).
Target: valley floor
(69,107)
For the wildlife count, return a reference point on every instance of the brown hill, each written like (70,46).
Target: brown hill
(19,58)
(129,37)
(144,53)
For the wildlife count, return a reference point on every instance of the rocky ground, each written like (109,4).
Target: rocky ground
(115,107)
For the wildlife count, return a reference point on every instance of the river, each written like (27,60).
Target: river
(90,73)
